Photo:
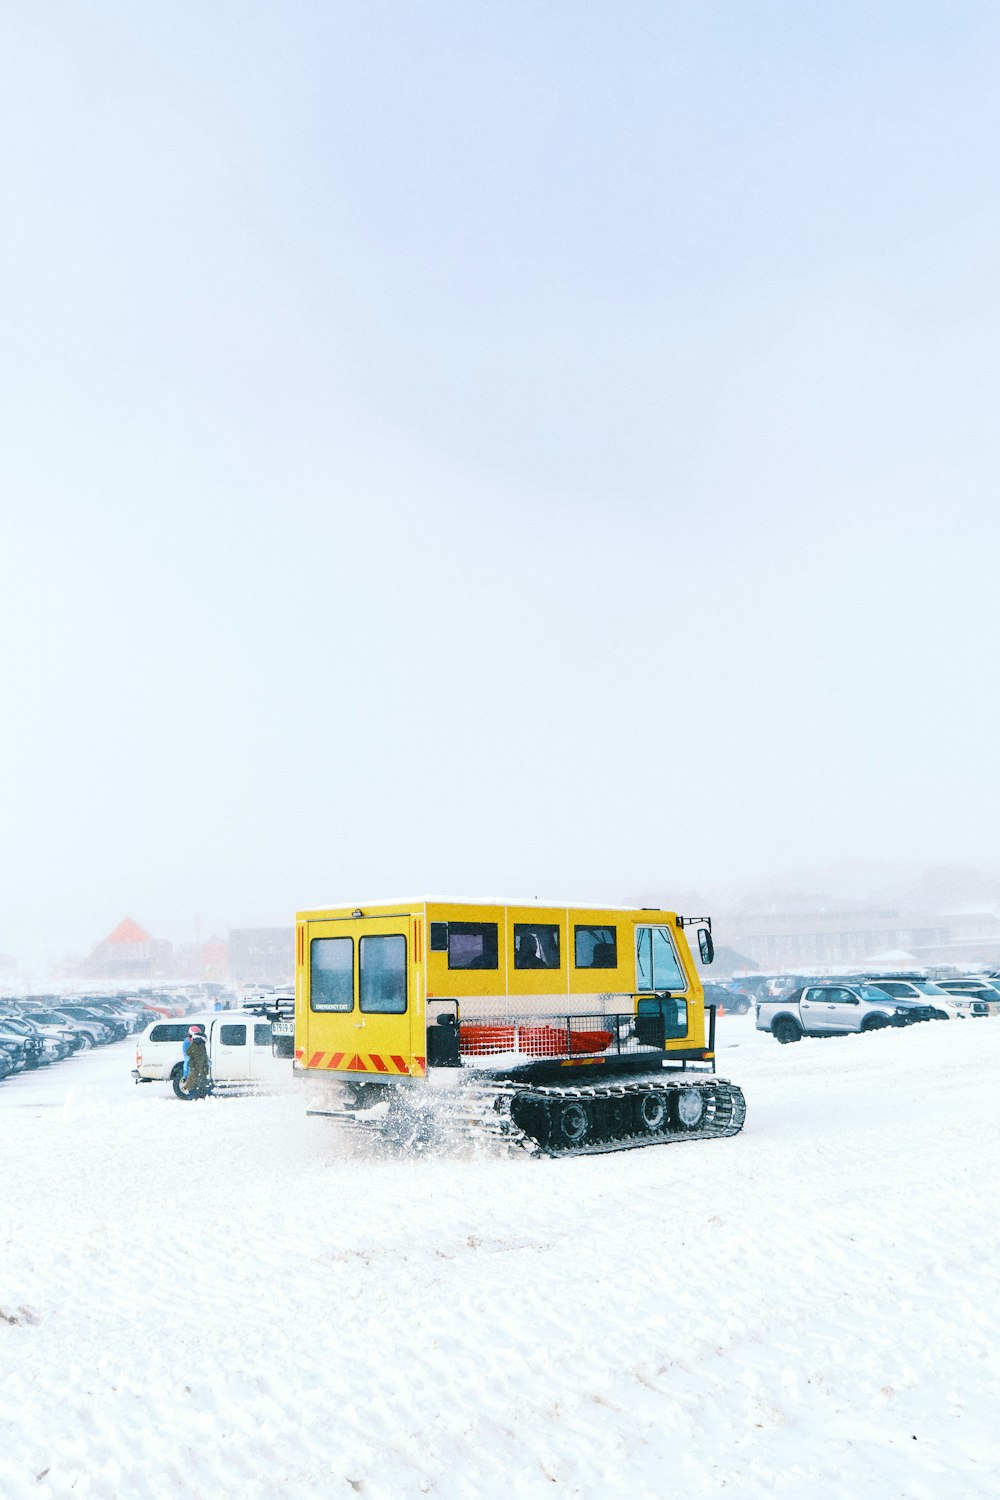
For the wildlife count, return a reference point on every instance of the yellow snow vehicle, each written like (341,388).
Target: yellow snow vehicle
(559,1029)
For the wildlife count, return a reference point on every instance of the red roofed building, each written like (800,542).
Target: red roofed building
(127,953)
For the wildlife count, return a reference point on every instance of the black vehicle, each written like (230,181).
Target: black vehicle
(51,1045)
(15,1048)
(29,1036)
(100,1005)
(732,1002)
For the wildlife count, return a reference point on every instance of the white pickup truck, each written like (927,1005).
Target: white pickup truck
(245,1050)
(833,1009)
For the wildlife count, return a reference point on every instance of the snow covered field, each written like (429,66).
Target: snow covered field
(226,1299)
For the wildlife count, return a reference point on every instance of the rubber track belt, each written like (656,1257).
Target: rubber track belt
(482,1111)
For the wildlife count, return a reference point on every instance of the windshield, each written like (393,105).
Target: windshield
(928,987)
(872,992)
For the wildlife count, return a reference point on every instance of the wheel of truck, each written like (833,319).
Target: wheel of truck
(874,1023)
(572,1124)
(653,1112)
(177,1077)
(787,1030)
(690,1108)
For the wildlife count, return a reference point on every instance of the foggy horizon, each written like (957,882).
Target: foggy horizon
(536,452)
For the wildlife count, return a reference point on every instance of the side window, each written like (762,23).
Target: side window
(331,974)
(233,1036)
(471,945)
(262,1034)
(536,945)
(382,964)
(168,1033)
(656,963)
(595,947)
(894,989)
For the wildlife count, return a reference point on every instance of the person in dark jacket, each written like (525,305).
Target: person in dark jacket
(196,1076)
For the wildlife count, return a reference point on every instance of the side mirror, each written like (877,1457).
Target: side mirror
(705,945)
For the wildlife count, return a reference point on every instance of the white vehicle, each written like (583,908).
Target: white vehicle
(907,987)
(981,997)
(833,1009)
(245,1051)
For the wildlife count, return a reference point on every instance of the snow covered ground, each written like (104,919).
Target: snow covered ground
(226,1299)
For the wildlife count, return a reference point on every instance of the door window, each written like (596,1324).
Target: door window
(656,964)
(262,1034)
(382,963)
(331,973)
(233,1036)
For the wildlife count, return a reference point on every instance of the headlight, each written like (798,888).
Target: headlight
(902,1010)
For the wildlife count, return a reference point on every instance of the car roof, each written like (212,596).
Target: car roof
(205,1017)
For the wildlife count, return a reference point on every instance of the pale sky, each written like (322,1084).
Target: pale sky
(535,449)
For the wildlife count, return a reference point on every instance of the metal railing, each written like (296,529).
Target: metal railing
(656,1020)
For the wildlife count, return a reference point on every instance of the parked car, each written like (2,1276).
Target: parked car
(33,1041)
(99,1027)
(84,1033)
(733,1002)
(241,1048)
(19,1054)
(832,1009)
(120,1025)
(981,995)
(53,1044)
(911,987)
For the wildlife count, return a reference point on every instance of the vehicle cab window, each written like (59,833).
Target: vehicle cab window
(656,964)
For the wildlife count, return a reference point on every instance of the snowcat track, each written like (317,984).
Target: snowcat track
(532,1118)
(614,1118)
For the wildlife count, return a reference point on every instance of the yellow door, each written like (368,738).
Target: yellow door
(365,1016)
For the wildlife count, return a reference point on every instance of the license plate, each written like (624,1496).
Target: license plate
(283,1028)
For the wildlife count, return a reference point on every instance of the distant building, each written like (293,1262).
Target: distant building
(128,953)
(262,955)
(844,934)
